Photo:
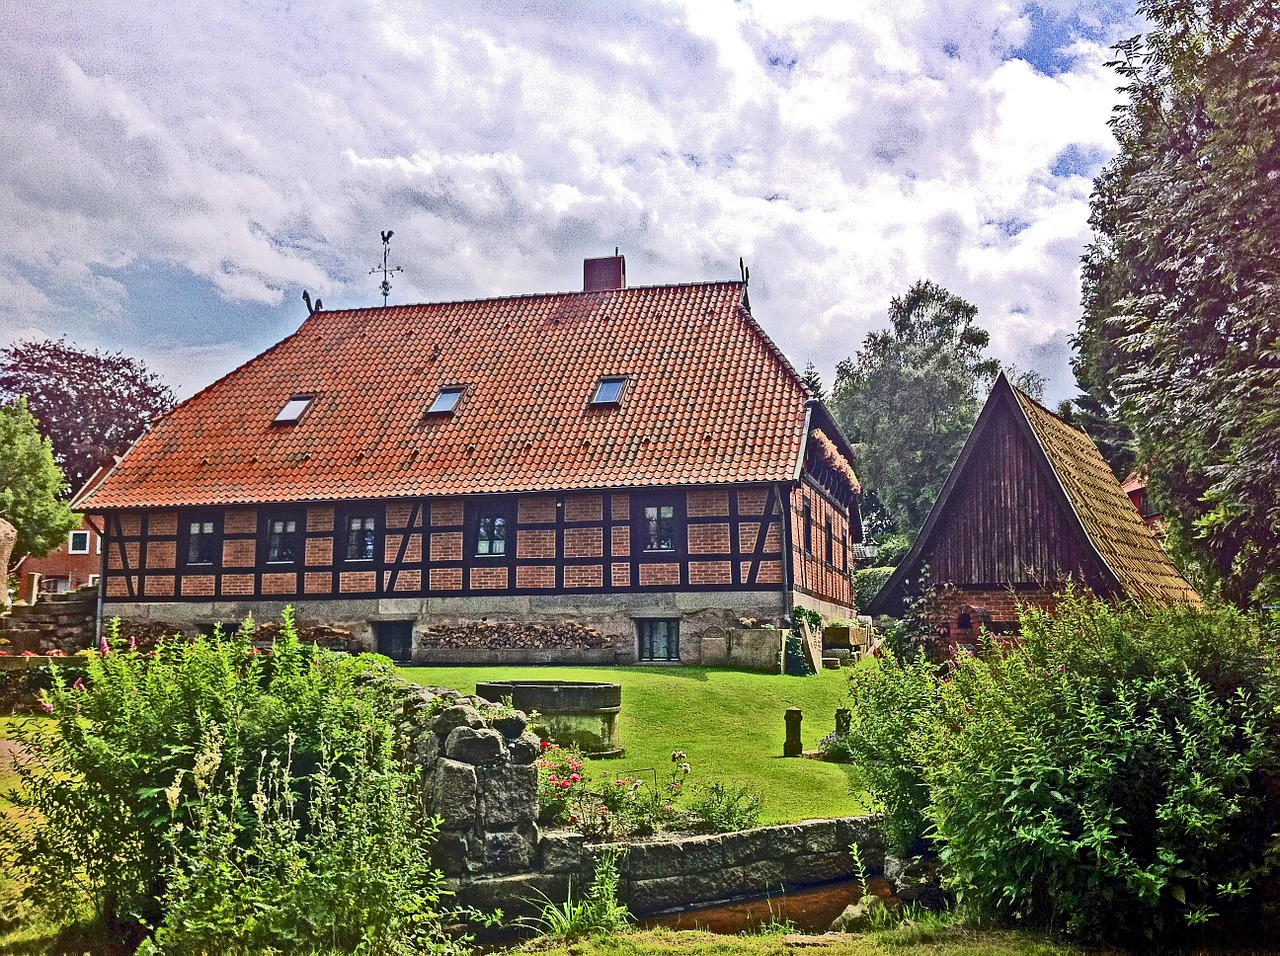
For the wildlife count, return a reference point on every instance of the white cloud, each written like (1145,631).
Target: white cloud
(844,150)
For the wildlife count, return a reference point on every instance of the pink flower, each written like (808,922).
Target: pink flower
(46,706)
(1062,668)
(566,784)
(79,684)
(575,777)
(133,644)
(103,646)
(4,653)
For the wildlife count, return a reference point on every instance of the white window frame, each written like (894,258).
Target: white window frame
(71,541)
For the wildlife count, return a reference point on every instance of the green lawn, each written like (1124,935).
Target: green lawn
(730,723)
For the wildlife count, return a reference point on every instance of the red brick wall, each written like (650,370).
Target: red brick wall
(813,574)
(996,609)
(725,538)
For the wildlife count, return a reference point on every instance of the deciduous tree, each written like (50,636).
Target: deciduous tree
(90,404)
(31,484)
(1180,338)
(910,396)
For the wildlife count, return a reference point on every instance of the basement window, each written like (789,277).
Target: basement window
(293,410)
(447,401)
(609,390)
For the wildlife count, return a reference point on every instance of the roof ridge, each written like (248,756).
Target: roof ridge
(528,295)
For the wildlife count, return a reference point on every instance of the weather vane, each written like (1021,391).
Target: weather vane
(386,272)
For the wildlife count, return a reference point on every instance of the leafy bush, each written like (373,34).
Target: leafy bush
(894,548)
(867,584)
(1107,777)
(722,809)
(113,816)
(835,747)
(889,697)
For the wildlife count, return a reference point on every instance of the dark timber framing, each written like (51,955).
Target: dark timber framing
(750,550)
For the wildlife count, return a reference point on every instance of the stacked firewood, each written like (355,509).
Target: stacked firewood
(498,634)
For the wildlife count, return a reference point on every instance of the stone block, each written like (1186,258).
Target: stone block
(647,861)
(453,794)
(526,749)
(653,896)
(474,746)
(561,852)
(508,793)
(821,836)
(507,852)
(517,895)
(459,715)
(450,853)
(809,869)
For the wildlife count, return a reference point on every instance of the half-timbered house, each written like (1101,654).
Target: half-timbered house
(604,474)
(1029,507)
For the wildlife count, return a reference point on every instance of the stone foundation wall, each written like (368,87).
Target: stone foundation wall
(606,623)
(678,872)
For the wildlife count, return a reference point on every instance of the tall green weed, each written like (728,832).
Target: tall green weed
(108,800)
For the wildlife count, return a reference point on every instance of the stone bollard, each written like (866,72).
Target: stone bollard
(793,746)
(843,718)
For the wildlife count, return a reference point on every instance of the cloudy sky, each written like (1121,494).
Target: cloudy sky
(172,176)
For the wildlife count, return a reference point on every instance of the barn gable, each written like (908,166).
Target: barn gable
(1029,506)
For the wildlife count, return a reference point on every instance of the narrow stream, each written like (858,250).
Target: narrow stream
(811,909)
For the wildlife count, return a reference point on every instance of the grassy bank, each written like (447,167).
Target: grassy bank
(730,723)
(953,941)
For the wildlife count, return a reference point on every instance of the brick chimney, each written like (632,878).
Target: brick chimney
(601,275)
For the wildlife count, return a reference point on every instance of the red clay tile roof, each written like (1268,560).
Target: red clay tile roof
(708,399)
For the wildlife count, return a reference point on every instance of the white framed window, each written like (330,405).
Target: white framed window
(293,410)
(79,543)
(93,580)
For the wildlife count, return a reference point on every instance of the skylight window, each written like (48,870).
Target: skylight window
(293,410)
(609,391)
(447,401)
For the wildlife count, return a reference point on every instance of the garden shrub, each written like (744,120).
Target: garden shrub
(720,808)
(889,696)
(609,807)
(867,584)
(1108,777)
(114,817)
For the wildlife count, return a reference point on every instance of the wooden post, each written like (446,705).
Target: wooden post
(793,746)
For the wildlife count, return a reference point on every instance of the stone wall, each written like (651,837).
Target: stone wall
(58,622)
(612,617)
(753,649)
(479,777)
(680,872)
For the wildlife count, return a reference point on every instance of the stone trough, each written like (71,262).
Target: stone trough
(580,714)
